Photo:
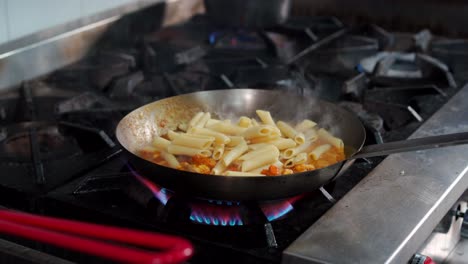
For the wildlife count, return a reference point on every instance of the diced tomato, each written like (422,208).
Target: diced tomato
(200,160)
(274,170)
(271,171)
(303,167)
(233,167)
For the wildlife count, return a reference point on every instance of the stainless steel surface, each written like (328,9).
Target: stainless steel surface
(73,25)
(248,13)
(34,60)
(412,145)
(50,49)
(439,244)
(139,127)
(389,214)
(460,254)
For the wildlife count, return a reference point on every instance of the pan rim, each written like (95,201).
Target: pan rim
(354,152)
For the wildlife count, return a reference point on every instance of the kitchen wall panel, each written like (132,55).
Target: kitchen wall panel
(28,16)
(3,22)
(92,6)
(19,18)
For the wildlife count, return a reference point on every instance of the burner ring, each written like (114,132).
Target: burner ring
(15,142)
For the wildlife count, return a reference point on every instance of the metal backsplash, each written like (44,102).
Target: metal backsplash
(45,51)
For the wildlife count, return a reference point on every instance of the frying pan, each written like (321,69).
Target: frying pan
(138,128)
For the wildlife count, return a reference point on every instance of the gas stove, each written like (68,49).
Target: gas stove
(57,139)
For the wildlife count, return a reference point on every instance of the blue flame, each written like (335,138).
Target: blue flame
(160,193)
(208,219)
(275,211)
(212,37)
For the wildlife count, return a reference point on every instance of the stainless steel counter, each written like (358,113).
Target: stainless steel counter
(391,212)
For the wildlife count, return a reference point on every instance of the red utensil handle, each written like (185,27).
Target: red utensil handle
(76,235)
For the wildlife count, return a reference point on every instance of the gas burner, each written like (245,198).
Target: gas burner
(395,68)
(270,77)
(237,40)
(213,212)
(31,104)
(452,52)
(399,105)
(97,70)
(84,101)
(216,214)
(342,55)
(312,27)
(396,105)
(372,121)
(51,142)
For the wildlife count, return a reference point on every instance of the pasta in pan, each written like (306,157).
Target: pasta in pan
(245,148)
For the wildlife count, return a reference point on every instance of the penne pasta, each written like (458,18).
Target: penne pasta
(240,173)
(283,143)
(244,122)
(286,129)
(290,132)
(235,140)
(257,146)
(195,119)
(318,151)
(227,128)
(246,148)
(260,131)
(289,163)
(182,150)
(211,122)
(326,136)
(203,119)
(171,134)
(254,122)
(161,143)
(277,163)
(300,158)
(299,138)
(234,153)
(219,137)
(266,139)
(188,140)
(311,135)
(259,152)
(182,127)
(218,151)
(306,124)
(266,118)
(219,168)
(171,160)
(261,160)
(291,152)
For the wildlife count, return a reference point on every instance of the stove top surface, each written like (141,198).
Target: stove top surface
(57,139)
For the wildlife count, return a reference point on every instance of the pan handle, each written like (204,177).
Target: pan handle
(412,145)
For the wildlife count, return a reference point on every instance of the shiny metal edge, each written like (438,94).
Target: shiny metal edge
(31,61)
(45,51)
(393,210)
(75,24)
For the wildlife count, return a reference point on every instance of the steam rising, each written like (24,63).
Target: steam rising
(291,104)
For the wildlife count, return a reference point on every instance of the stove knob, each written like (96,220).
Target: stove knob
(421,259)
